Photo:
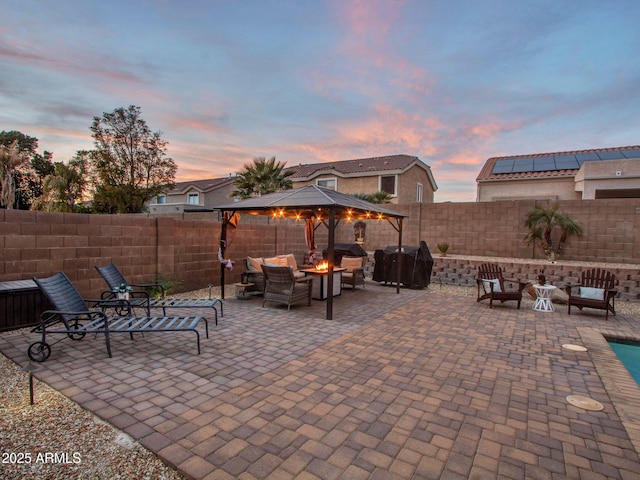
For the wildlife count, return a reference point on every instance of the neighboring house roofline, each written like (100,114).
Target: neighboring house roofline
(486,173)
(361,167)
(202,186)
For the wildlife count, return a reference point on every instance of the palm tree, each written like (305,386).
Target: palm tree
(378,197)
(10,159)
(260,177)
(541,223)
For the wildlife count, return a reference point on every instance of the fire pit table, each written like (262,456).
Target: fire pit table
(320,282)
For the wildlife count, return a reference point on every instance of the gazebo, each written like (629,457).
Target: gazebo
(312,204)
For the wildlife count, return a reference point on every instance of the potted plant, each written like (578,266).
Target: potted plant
(443,247)
(543,223)
(123,291)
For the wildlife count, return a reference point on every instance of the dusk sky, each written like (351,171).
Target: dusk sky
(452,82)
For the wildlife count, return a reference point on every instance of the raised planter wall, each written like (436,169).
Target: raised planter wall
(461,270)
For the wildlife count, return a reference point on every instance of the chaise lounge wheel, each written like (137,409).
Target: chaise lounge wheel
(39,351)
(76,335)
(123,311)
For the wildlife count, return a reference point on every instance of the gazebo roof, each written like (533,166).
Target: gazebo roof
(311,201)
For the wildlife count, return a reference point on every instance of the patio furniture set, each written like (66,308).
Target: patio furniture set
(280,280)
(73,316)
(596,289)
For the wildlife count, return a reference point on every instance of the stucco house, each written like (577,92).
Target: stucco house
(576,175)
(194,195)
(405,177)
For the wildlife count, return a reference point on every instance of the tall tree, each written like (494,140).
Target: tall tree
(66,186)
(29,179)
(10,159)
(543,222)
(15,150)
(130,162)
(260,177)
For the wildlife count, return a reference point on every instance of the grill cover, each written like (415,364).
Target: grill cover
(417,265)
(345,250)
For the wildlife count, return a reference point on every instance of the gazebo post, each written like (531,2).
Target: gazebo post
(399,265)
(222,249)
(331,255)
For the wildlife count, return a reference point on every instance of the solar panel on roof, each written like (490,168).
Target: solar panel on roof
(521,165)
(635,153)
(587,157)
(566,162)
(615,155)
(503,166)
(559,162)
(543,164)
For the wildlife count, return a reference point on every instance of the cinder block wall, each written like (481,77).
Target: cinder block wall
(185,247)
(611,229)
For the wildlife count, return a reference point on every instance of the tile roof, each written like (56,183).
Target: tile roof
(202,185)
(487,170)
(357,167)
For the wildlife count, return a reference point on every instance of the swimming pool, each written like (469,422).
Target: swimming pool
(628,351)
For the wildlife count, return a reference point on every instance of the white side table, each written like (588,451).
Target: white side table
(543,301)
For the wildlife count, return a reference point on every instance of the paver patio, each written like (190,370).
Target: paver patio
(416,385)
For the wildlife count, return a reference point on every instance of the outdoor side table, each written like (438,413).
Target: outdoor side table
(543,301)
(241,290)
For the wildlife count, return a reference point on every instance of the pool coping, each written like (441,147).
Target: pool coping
(622,388)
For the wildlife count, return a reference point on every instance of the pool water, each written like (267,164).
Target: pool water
(629,354)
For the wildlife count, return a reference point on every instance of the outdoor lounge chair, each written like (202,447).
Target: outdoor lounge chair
(73,318)
(354,273)
(281,286)
(595,290)
(491,282)
(140,298)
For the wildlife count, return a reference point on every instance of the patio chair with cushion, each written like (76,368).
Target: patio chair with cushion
(254,275)
(140,298)
(73,318)
(595,290)
(281,286)
(491,285)
(354,273)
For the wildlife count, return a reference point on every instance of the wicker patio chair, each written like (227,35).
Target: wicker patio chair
(281,286)
(354,273)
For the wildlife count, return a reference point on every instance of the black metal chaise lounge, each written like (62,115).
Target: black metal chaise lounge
(74,319)
(141,298)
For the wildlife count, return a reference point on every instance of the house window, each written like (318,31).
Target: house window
(327,183)
(161,199)
(193,199)
(419,193)
(389,184)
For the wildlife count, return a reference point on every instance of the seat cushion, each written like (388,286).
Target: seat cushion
(350,263)
(487,285)
(253,264)
(278,261)
(592,293)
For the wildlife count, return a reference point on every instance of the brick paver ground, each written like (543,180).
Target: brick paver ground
(420,385)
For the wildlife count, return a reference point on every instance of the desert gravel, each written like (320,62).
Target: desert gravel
(81,446)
